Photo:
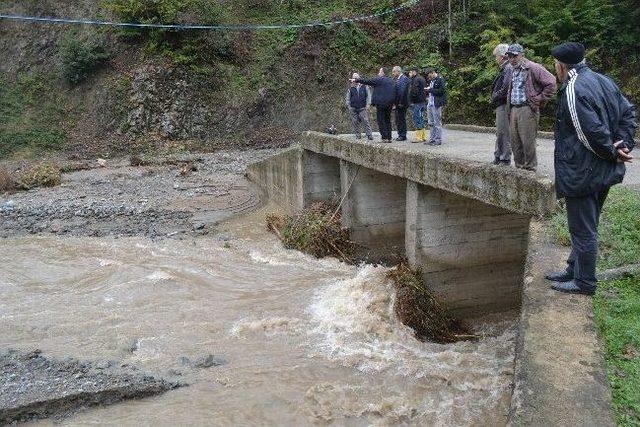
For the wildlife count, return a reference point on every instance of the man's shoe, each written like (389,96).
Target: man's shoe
(386,141)
(559,276)
(401,138)
(571,288)
(495,162)
(370,138)
(505,162)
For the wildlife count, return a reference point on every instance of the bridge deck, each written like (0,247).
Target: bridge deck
(479,147)
(514,190)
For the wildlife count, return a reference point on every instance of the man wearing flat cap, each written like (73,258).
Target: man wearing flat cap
(532,86)
(594,134)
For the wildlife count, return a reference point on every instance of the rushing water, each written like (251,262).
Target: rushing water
(307,341)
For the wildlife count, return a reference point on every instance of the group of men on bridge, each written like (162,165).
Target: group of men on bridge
(594,133)
(398,92)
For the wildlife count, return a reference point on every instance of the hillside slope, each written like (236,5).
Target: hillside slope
(88,89)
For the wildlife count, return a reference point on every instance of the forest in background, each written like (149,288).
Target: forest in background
(61,83)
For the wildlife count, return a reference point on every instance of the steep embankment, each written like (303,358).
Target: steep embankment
(102,90)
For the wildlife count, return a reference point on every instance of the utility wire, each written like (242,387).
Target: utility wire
(223,27)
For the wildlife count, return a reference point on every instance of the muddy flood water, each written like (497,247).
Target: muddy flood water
(306,341)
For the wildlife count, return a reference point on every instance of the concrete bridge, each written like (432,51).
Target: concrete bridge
(475,231)
(464,223)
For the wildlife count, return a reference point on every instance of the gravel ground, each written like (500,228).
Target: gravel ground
(169,197)
(33,386)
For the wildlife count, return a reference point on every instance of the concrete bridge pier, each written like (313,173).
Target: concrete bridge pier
(472,255)
(374,209)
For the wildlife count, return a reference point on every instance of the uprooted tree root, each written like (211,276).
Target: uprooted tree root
(418,308)
(316,230)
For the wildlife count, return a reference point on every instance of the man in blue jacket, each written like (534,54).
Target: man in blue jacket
(594,136)
(401,101)
(383,98)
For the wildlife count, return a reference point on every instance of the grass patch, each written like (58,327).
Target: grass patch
(417,308)
(619,230)
(316,230)
(30,116)
(617,310)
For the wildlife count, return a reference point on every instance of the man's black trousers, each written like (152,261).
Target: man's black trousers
(401,121)
(583,214)
(383,117)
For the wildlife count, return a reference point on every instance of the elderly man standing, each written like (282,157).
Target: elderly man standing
(358,100)
(383,98)
(595,127)
(401,102)
(532,86)
(502,153)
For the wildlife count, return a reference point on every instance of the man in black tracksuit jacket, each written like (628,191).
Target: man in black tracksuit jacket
(594,134)
(383,97)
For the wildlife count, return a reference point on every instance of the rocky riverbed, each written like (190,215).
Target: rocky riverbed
(172,196)
(33,386)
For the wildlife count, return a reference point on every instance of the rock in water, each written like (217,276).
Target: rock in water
(33,386)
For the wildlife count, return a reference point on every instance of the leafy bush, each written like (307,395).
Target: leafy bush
(186,47)
(7,182)
(81,55)
(41,175)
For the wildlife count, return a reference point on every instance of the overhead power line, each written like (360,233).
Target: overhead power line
(220,27)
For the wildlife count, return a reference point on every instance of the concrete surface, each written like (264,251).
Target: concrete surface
(471,254)
(374,211)
(560,375)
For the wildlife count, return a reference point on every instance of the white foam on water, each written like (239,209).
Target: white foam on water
(159,276)
(354,324)
(269,326)
(277,255)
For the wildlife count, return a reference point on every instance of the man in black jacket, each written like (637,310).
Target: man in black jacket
(436,102)
(401,102)
(418,102)
(594,136)
(383,98)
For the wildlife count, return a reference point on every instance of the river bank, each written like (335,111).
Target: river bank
(173,196)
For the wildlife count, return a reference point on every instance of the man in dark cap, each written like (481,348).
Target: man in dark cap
(594,136)
(531,87)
